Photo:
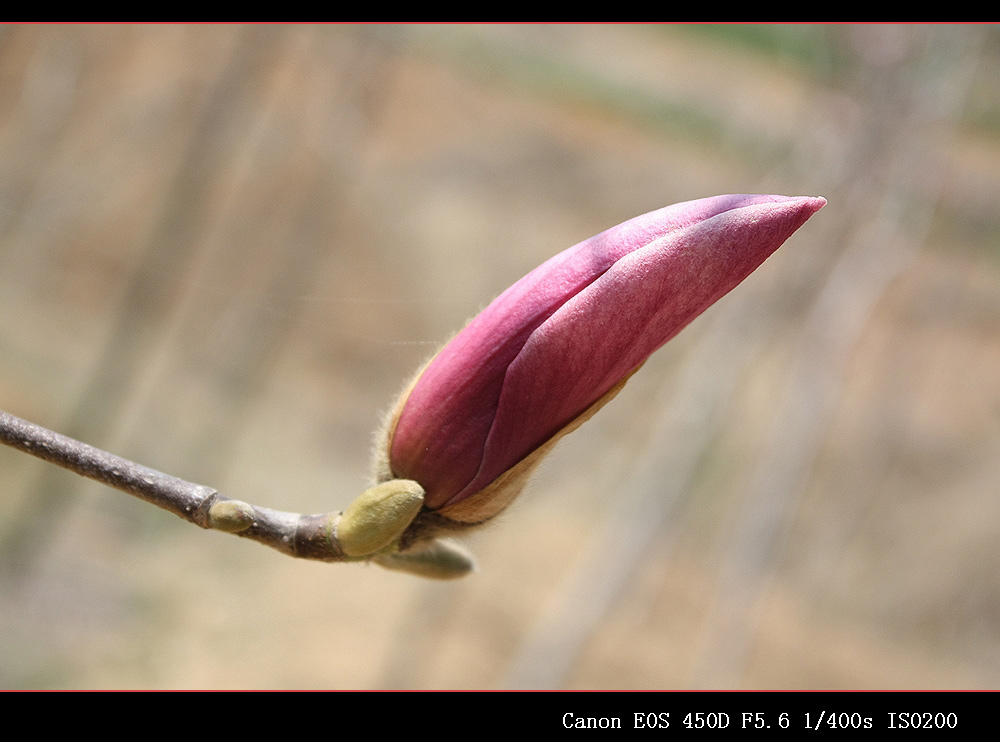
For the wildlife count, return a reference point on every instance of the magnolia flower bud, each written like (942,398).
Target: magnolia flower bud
(560,343)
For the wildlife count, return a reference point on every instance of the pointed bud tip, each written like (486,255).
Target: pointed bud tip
(817,202)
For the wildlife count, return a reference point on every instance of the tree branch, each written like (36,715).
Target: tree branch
(304,536)
(369,529)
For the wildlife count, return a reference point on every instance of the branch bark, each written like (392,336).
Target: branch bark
(304,536)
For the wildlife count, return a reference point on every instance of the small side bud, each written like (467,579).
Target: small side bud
(437,559)
(231,516)
(378,516)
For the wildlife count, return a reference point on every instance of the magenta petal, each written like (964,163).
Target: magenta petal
(561,337)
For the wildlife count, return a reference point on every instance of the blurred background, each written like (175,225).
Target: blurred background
(224,249)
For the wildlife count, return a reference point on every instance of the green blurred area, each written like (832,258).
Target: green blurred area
(224,249)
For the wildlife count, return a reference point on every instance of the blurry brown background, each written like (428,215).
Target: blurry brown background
(223,249)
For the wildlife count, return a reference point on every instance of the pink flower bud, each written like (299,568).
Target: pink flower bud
(561,341)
